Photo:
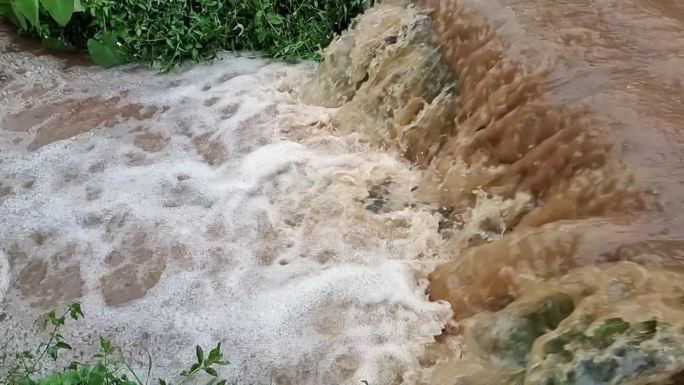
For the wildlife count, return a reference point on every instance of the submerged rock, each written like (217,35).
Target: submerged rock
(508,335)
(390,82)
(612,351)
(618,324)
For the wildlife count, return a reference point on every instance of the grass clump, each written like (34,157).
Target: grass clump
(107,367)
(167,33)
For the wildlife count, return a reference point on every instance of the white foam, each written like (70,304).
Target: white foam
(282,261)
(4,275)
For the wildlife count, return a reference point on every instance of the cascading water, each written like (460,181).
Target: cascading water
(516,162)
(520,153)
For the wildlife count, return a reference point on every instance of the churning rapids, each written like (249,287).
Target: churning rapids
(463,192)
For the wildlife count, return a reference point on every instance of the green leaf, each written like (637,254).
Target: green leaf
(274,18)
(27,8)
(97,375)
(106,51)
(70,378)
(62,345)
(162,382)
(60,10)
(105,345)
(75,309)
(78,6)
(56,322)
(7,11)
(53,379)
(52,352)
(22,23)
(200,354)
(211,371)
(215,355)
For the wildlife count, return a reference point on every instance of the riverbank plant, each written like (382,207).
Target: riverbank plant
(39,365)
(166,33)
(108,367)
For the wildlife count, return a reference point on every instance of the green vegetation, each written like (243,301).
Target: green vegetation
(108,367)
(166,33)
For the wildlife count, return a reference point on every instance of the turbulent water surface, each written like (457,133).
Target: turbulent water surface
(463,192)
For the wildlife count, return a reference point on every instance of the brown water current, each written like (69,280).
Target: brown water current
(463,192)
(550,138)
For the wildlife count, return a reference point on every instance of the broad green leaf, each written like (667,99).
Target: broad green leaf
(60,10)
(5,8)
(97,375)
(106,51)
(70,377)
(78,6)
(22,23)
(211,372)
(7,11)
(28,9)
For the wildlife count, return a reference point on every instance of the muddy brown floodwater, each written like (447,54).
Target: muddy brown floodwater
(572,111)
(463,192)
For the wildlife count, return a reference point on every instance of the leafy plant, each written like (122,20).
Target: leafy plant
(105,50)
(50,21)
(293,29)
(108,367)
(168,33)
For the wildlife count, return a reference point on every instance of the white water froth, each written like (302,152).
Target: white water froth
(270,251)
(4,275)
